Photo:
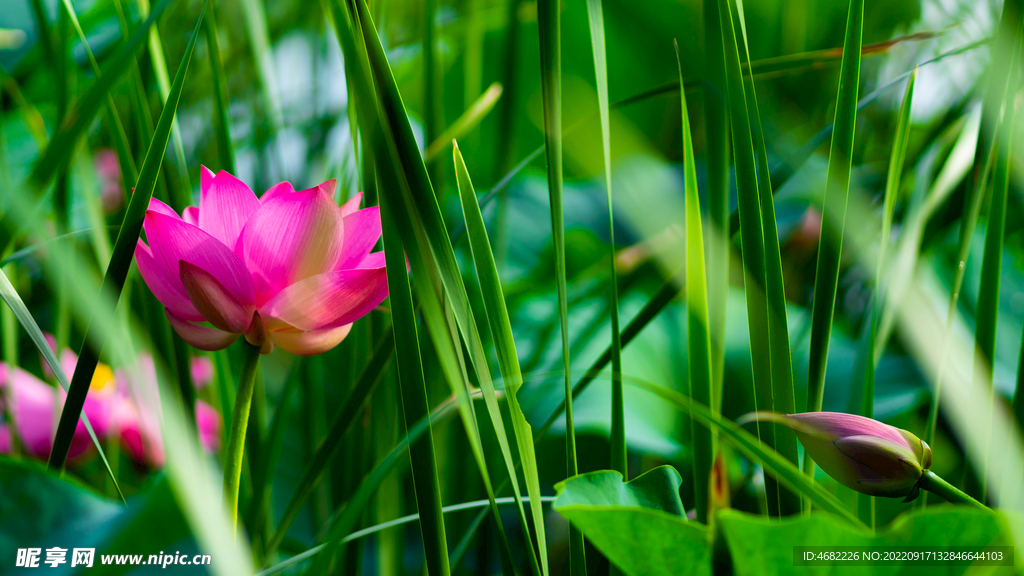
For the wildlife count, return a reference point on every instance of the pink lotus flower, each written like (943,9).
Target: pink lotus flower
(110,408)
(291,268)
(863,454)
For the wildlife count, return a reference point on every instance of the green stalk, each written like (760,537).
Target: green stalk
(618,419)
(698,339)
(751,238)
(871,349)
(412,390)
(64,77)
(432,105)
(1008,30)
(181,195)
(936,485)
(504,344)
(837,189)
(549,23)
(987,314)
(783,395)
(9,324)
(239,424)
(220,96)
(129,174)
(716,124)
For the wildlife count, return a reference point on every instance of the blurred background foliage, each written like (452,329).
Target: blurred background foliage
(289,119)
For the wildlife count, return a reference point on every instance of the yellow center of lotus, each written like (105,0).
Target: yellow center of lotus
(102,379)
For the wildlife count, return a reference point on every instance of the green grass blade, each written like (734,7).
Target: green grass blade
(65,80)
(259,41)
(716,125)
(649,312)
(43,26)
(773,462)
(466,122)
(595,12)
(339,427)
(987,313)
(992,104)
(833,219)
(259,505)
(404,182)
(220,96)
(120,260)
(353,509)
(17,306)
(868,352)
(413,392)
(142,116)
(433,111)
(130,173)
(783,395)
(59,149)
(698,337)
(892,185)
(752,234)
(549,16)
(180,196)
(501,333)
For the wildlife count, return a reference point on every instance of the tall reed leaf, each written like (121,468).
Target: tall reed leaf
(549,28)
(413,391)
(501,333)
(179,195)
(987,313)
(13,300)
(992,104)
(595,13)
(892,187)
(124,156)
(425,226)
(221,130)
(404,181)
(833,219)
(120,260)
(255,15)
(59,149)
(751,237)
(869,352)
(698,338)
(466,122)
(783,395)
(716,126)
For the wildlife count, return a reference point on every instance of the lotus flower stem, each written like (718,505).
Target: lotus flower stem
(239,423)
(936,485)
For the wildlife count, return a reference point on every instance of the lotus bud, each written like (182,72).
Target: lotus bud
(864,454)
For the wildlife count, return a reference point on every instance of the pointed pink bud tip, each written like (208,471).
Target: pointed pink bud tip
(329,186)
(863,454)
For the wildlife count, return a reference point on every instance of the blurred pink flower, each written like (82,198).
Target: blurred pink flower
(109,171)
(30,404)
(110,407)
(291,268)
(5,438)
(202,372)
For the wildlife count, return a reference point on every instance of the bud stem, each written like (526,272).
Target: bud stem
(933,483)
(239,423)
